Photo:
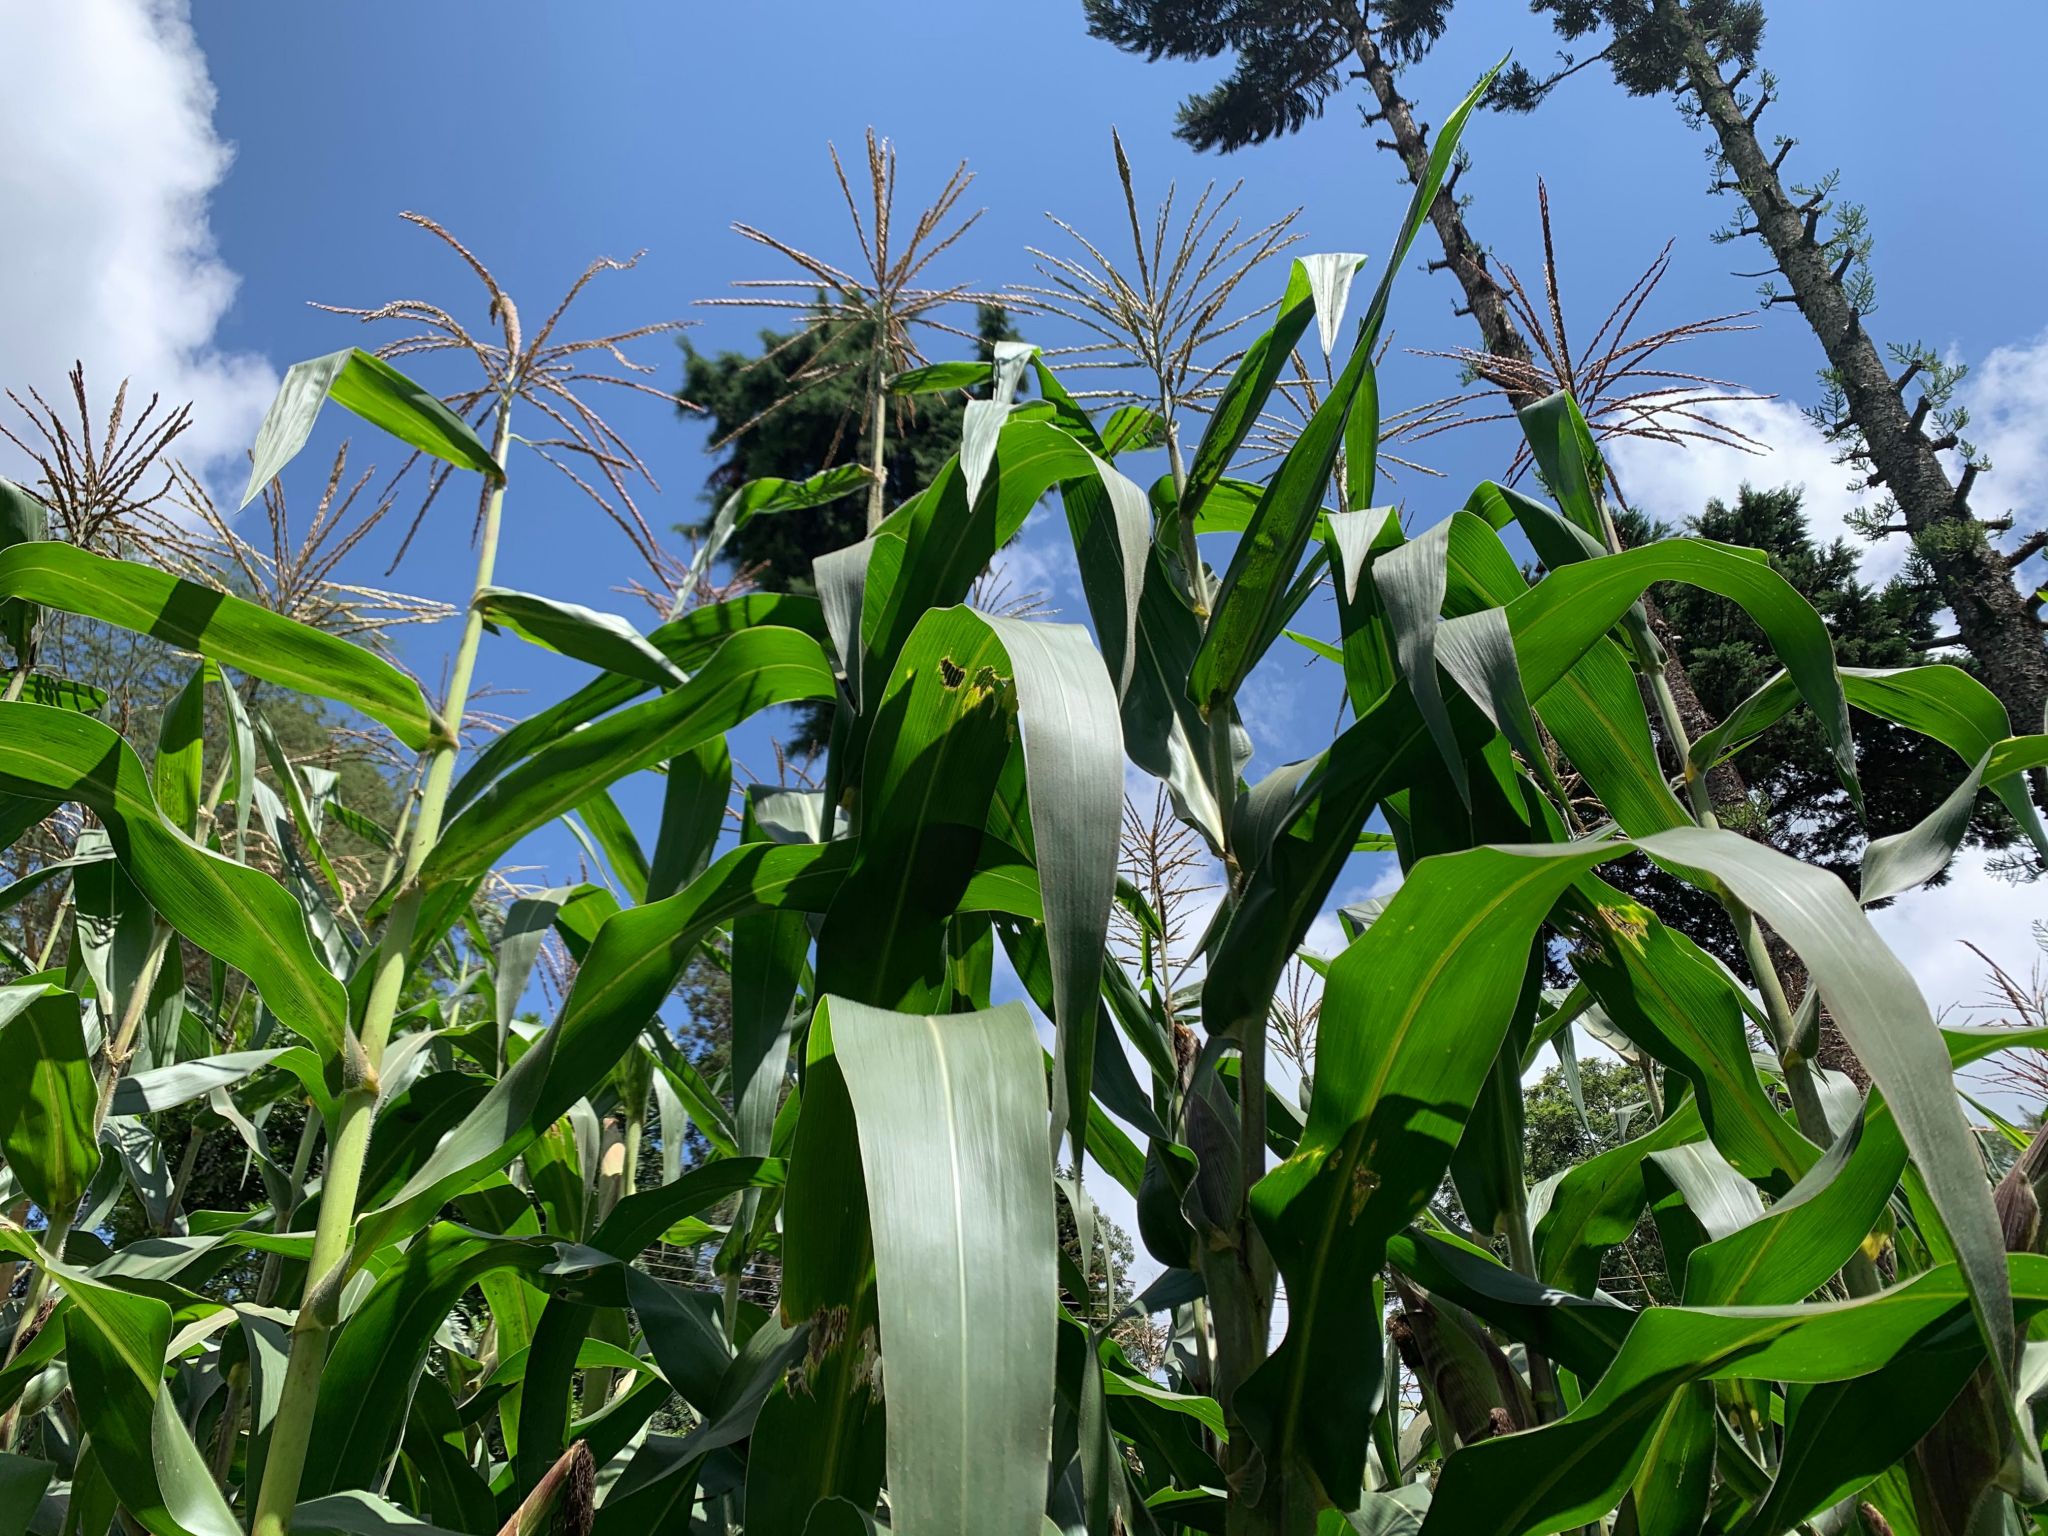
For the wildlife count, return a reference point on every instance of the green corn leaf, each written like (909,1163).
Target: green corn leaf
(949,538)
(526,924)
(1881,1013)
(585,634)
(1905,859)
(1594,710)
(375,391)
(687,642)
(235,913)
(562,1334)
(1839,1435)
(221,627)
(1074,772)
(1696,1196)
(58,692)
(179,773)
(766,495)
(1568,460)
(1250,386)
(356,1513)
(1266,557)
(932,764)
(1593,1207)
(940,737)
(1412,581)
(1943,703)
(768,966)
(1681,1007)
(959,1191)
(1674,1486)
(22,1481)
(1444,962)
(1792,1249)
(148,1093)
(607,826)
(636,960)
(115,1348)
(1112,530)
(1556,621)
(681,1088)
(753,670)
(937,378)
(370,1366)
(693,797)
(1570,1472)
(48,1097)
(1581,1333)
(1270,550)
(305,822)
(1368,1152)
(1380,753)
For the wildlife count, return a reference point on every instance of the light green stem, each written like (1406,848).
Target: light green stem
(327,1270)
(878,459)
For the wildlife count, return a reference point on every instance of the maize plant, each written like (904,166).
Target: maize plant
(440,1315)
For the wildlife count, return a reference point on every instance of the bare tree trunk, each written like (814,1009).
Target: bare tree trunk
(1992,617)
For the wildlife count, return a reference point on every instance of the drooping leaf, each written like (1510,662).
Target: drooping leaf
(375,391)
(238,914)
(756,668)
(1073,763)
(1556,621)
(221,627)
(585,634)
(959,1184)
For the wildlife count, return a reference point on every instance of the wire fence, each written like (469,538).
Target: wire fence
(694,1269)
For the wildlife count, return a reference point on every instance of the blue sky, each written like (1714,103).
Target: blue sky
(184,181)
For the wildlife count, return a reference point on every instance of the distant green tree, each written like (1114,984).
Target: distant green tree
(764,421)
(1109,1282)
(1555,1139)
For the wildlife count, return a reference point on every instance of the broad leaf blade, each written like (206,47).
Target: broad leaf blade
(959,1183)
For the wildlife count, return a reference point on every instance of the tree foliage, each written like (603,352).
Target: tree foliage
(1287,56)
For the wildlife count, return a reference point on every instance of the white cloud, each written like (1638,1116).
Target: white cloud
(1672,483)
(1927,929)
(109,259)
(2007,393)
